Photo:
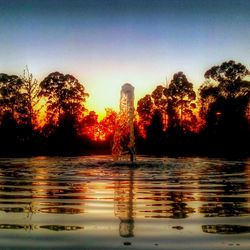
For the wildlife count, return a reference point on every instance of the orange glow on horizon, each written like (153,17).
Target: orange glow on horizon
(101,125)
(101,129)
(40,108)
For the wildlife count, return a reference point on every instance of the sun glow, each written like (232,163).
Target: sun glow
(95,133)
(40,109)
(101,126)
(100,130)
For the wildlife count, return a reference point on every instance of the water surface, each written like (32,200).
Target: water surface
(93,203)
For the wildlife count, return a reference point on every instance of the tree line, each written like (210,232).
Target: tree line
(175,120)
(50,117)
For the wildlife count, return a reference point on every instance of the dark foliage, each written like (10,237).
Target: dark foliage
(226,100)
(225,103)
(64,94)
(168,118)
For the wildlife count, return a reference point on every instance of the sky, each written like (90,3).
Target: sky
(106,43)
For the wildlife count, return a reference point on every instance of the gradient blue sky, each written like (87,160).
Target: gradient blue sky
(105,43)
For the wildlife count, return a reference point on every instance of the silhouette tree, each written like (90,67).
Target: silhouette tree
(145,112)
(64,139)
(65,95)
(159,98)
(9,130)
(15,128)
(152,121)
(160,103)
(155,134)
(30,87)
(13,99)
(180,102)
(99,133)
(89,126)
(208,93)
(225,99)
(108,124)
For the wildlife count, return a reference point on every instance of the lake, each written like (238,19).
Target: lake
(94,203)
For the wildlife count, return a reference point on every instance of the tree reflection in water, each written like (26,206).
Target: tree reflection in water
(225,229)
(32,227)
(61,227)
(68,196)
(227,199)
(179,209)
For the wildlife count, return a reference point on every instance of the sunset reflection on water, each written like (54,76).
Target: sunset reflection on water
(96,204)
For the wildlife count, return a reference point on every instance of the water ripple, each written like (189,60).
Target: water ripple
(75,193)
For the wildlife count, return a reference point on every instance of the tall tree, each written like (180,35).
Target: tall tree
(155,134)
(160,103)
(108,124)
(15,130)
(226,98)
(89,126)
(65,95)
(13,100)
(159,98)
(225,95)
(30,87)
(180,102)
(145,112)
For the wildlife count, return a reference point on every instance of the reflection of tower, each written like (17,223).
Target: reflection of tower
(124,140)
(124,206)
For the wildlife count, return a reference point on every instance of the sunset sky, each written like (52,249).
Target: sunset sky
(106,43)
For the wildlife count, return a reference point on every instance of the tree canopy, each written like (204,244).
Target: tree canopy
(13,100)
(180,102)
(225,99)
(65,95)
(171,119)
